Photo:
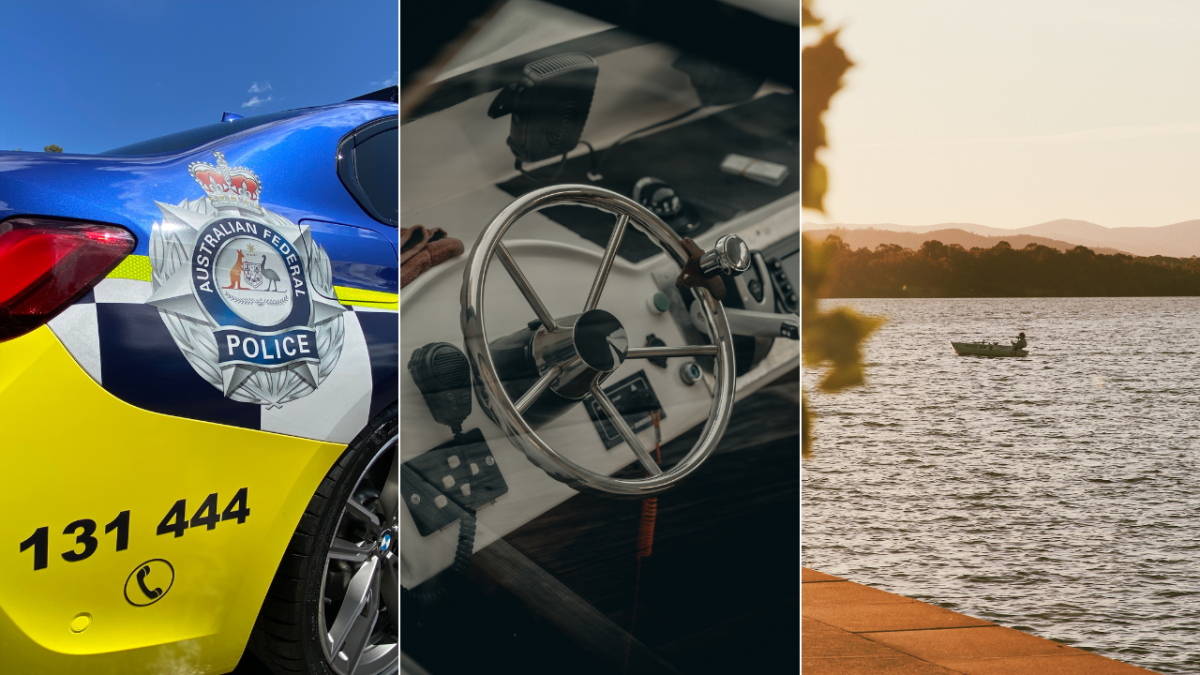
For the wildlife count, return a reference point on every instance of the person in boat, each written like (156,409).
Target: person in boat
(1020,343)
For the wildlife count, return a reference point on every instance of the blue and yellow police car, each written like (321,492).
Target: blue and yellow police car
(198,399)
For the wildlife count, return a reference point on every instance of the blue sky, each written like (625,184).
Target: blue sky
(95,75)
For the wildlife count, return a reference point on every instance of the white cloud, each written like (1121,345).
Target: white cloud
(257,88)
(255,101)
(388,81)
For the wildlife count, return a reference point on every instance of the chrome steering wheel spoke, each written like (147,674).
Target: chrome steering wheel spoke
(610,253)
(576,353)
(525,287)
(628,434)
(538,388)
(667,352)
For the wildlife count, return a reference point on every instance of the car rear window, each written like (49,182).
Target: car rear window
(377,168)
(199,136)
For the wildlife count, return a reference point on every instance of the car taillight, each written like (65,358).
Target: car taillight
(47,264)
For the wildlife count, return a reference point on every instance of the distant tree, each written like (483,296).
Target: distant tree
(936,270)
(934,249)
(52,148)
(830,339)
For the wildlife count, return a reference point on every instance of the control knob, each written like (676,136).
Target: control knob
(729,256)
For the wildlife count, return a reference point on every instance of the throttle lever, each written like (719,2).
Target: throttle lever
(730,255)
(755,324)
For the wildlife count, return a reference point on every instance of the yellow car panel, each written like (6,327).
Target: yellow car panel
(72,452)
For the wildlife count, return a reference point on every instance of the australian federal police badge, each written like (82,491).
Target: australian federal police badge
(246,293)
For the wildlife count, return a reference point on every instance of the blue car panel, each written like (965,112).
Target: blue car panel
(295,156)
(134,343)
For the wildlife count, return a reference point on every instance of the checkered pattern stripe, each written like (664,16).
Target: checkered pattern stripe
(123,344)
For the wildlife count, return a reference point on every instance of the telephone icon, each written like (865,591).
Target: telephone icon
(142,573)
(149,582)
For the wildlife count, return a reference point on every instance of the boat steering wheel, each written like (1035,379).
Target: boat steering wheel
(576,353)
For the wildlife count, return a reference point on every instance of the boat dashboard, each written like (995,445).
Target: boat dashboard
(677,390)
(707,164)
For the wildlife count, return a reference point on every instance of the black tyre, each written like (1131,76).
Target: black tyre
(333,606)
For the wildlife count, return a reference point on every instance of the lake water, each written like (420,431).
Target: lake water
(1056,494)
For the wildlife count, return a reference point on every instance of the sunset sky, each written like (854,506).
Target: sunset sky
(1012,114)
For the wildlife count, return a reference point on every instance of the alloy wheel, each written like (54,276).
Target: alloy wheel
(359,613)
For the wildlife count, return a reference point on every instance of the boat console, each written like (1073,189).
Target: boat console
(631,273)
(679,387)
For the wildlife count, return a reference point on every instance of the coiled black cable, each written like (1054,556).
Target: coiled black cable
(466,542)
(439,587)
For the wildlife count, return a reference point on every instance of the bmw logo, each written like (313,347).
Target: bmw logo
(385,543)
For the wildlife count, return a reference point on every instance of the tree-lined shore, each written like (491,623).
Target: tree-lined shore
(940,271)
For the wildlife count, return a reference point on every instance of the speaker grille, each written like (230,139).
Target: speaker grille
(450,368)
(553,64)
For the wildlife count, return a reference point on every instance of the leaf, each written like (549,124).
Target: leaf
(834,339)
(808,18)
(831,339)
(822,66)
(816,182)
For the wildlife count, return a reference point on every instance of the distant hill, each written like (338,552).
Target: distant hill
(871,237)
(940,271)
(1180,240)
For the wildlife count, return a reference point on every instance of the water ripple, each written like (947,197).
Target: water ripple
(1054,494)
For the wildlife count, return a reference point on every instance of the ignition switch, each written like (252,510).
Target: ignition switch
(690,373)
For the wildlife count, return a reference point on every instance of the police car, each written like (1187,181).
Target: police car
(198,399)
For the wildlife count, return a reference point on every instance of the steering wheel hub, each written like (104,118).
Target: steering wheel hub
(574,354)
(601,340)
(586,348)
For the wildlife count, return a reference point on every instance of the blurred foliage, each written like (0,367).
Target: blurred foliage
(940,271)
(52,148)
(830,339)
(822,65)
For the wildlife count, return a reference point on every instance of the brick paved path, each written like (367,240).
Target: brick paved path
(851,629)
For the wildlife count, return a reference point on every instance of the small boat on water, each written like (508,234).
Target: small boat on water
(986,349)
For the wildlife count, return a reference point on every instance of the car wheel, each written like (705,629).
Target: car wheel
(333,606)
